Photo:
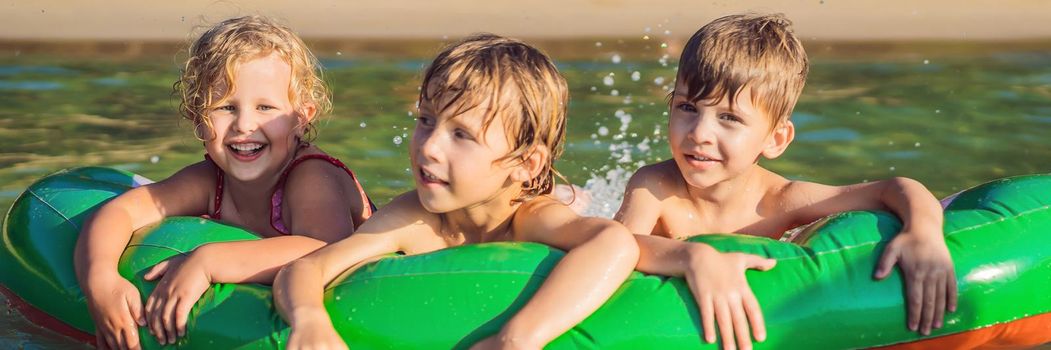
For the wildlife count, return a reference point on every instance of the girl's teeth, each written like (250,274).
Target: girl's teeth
(246,147)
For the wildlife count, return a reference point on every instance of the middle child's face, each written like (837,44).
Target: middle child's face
(456,163)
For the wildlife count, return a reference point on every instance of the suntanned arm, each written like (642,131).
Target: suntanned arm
(600,255)
(907,198)
(299,286)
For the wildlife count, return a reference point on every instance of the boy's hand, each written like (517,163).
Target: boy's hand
(116,308)
(314,332)
(183,281)
(722,293)
(930,280)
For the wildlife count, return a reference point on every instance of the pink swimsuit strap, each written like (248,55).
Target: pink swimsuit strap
(277,199)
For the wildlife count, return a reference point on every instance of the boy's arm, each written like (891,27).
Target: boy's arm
(299,286)
(600,254)
(919,249)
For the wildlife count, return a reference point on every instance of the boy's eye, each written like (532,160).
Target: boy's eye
(462,134)
(686,107)
(425,121)
(730,117)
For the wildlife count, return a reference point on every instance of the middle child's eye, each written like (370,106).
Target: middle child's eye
(425,121)
(686,107)
(462,134)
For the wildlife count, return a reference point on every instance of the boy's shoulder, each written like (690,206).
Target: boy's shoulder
(660,178)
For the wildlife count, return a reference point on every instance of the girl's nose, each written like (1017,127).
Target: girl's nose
(246,123)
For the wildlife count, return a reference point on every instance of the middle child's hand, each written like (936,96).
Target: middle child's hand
(183,280)
(719,286)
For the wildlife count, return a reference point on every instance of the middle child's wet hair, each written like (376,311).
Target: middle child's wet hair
(513,79)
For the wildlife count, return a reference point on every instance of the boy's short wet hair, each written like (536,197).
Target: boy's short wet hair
(757,51)
(215,55)
(515,80)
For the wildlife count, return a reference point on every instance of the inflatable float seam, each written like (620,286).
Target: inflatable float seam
(1002,218)
(160,247)
(61,214)
(441,273)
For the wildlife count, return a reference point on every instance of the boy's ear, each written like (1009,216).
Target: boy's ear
(532,164)
(780,137)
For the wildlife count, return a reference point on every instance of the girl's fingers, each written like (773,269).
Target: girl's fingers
(135,307)
(169,320)
(156,271)
(131,337)
(182,311)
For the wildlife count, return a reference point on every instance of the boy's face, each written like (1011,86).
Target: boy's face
(715,143)
(456,164)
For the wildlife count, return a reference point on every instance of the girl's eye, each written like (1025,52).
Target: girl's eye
(227,108)
(730,117)
(266,108)
(686,107)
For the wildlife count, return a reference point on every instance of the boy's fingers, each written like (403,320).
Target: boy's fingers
(930,296)
(755,317)
(744,336)
(726,329)
(708,318)
(155,325)
(886,262)
(939,303)
(758,262)
(914,297)
(950,286)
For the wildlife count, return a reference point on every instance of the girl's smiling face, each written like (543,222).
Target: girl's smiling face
(256,129)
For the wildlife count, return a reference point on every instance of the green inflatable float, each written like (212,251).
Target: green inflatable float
(820,295)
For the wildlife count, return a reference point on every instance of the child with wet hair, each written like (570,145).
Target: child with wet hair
(739,78)
(253,91)
(491,122)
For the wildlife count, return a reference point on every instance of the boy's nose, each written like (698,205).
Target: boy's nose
(429,145)
(702,131)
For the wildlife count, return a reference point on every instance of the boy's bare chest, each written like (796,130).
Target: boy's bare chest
(680,222)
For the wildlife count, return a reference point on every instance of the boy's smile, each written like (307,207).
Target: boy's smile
(712,142)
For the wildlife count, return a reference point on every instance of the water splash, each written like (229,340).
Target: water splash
(397,140)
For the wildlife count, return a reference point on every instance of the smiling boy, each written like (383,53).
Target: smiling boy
(739,78)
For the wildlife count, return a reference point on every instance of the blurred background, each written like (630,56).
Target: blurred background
(950,93)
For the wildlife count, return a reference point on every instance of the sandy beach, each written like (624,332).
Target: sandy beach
(555,19)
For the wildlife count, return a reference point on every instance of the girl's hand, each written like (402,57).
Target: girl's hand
(502,341)
(930,279)
(116,308)
(315,333)
(723,295)
(183,281)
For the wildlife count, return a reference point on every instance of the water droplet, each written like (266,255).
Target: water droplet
(664,45)
(667,32)
(647,30)
(890,143)
(607,80)
(614,92)
(917,144)
(926,61)
(410,113)
(154,159)
(891,168)
(635,76)
(645,37)
(602,130)
(397,140)
(615,58)
(363,124)
(339,53)
(658,80)
(594,88)
(598,44)
(937,111)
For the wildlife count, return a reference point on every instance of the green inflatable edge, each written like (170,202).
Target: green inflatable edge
(820,295)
